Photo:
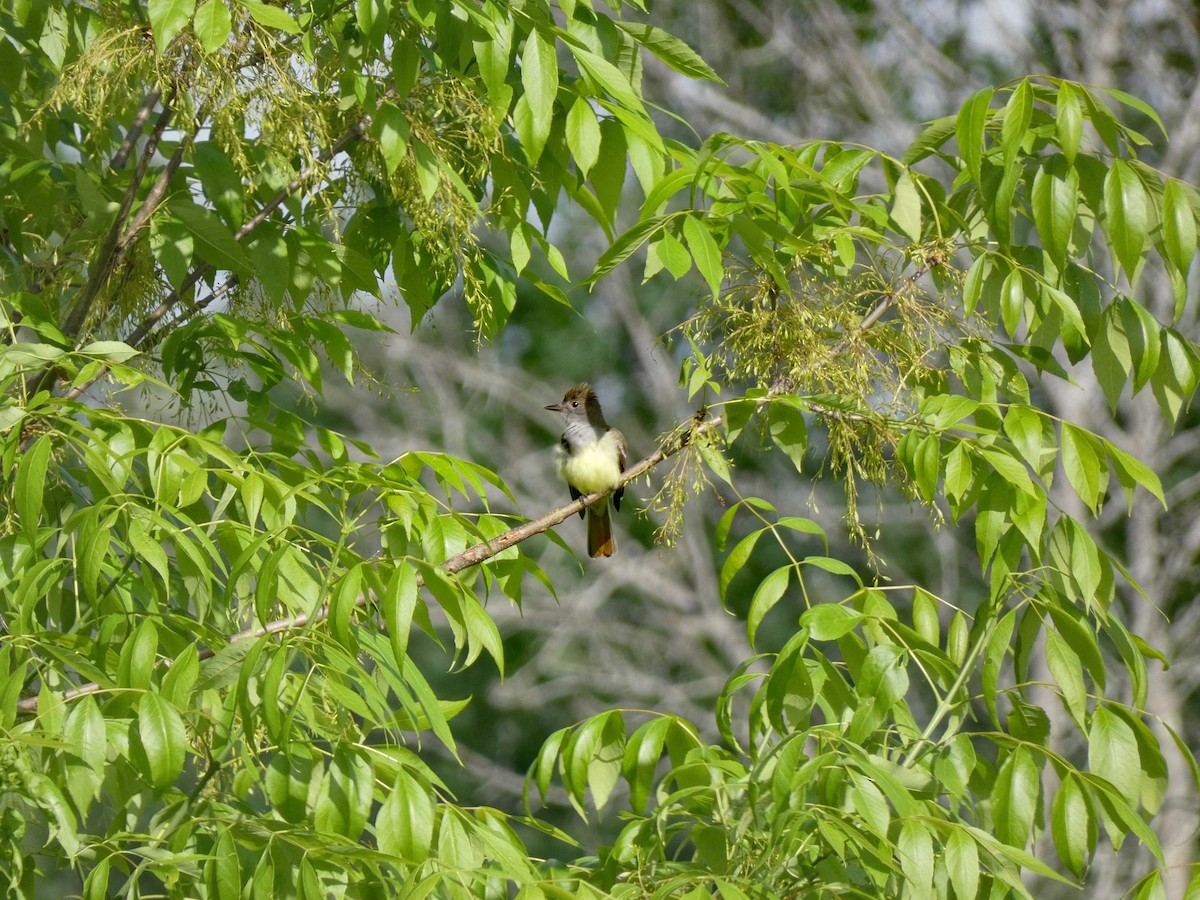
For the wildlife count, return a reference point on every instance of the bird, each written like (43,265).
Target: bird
(592,458)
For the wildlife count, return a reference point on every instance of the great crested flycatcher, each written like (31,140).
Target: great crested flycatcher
(593,458)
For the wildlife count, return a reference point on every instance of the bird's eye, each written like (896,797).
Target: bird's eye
(575,403)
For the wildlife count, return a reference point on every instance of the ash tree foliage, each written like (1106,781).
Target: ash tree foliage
(206,685)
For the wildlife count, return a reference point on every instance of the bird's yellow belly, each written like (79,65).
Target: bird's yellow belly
(593,468)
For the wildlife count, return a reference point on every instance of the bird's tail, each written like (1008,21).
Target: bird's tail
(599,531)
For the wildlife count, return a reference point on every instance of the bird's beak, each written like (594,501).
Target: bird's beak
(557,407)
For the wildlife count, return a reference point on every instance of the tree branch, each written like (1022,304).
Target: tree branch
(121,157)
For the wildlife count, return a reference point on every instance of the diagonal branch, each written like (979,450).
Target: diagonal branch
(109,255)
(121,157)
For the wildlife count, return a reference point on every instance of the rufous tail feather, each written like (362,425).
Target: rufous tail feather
(599,532)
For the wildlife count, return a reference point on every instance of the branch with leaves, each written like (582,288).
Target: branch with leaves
(473,556)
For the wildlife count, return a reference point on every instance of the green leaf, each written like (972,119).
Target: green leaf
(494,55)
(608,175)
(1018,113)
(222,871)
(222,182)
(539,75)
(993,661)
(1132,472)
(607,77)
(1143,333)
(138,657)
(30,484)
(969,128)
(429,174)
(212,25)
(1112,361)
(404,823)
(1178,226)
(181,677)
(789,688)
(642,753)
(21,354)
(868,801)
(788,430)
(406,67)
(213,241)
(1068,118)
(1056,205)
(162,738)
(592,759)
(1023,425)
(974,282)
(46,794)
(906,207)
(399,603)
(1009,468)
(624,247)
(1137,104)
(167,19)
(959,473)
(482,633)
(173,248)
(925,464)
(1121,818)
(962,862)
(882,681)
(1126,217)
(833,566)
(345,799)
(916,858)
(671,50)
(1081,461)
(766,595)
(1012,301)
(1072,824)
(270,16)
(583,135)
(272,264)
(342,604)
(705,251)
(830,621)
(1113,753)
(391,130)
(1067,671)
(925,617)
(372,20)
(1103,121)
(672,254)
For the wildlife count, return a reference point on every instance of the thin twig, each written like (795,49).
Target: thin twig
(136,127)
(156,194)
